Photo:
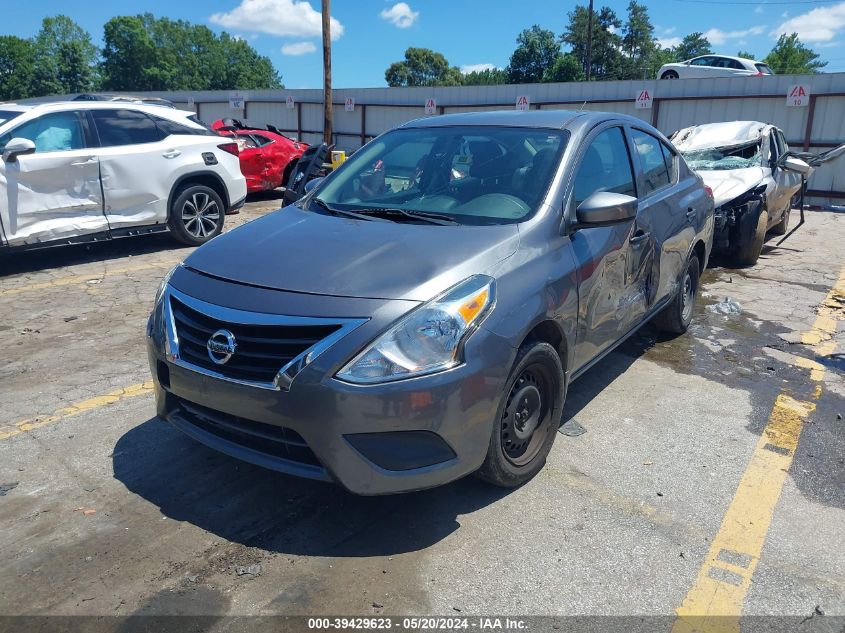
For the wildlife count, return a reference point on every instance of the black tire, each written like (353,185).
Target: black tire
(676,317)
(669,74)
(750,253)
(288,171)
(528,417)
(196,215)
(783,226)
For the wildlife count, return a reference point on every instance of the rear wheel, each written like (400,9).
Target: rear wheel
(676,317)
(196,215)
(669,74)
(528,417)
(750,252)
(781,227)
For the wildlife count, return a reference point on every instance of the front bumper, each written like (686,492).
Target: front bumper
(372,439)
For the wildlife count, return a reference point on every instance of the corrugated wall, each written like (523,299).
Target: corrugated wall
(676,104)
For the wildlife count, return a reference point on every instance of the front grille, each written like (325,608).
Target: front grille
(276,441)
(262,350)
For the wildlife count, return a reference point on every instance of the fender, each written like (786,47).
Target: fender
(201,174)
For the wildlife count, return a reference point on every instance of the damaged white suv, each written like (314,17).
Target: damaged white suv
(81,171)
(754,176)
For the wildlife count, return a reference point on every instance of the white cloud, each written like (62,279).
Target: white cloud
(400,14)
(299,48)
(759,9)
(285,18)
(668,42)
(471,68)
(819,25)
(719,37)
(670,30)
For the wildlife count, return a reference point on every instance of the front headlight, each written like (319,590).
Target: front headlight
(427,340)
(163,285)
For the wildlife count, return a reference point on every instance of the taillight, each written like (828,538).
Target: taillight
(708,191)
(759,74)
(232,148)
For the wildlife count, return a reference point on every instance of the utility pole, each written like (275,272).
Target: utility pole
(327,72)
(589,60)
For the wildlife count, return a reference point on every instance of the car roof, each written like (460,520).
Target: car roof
(156,110)
(724,134)
(739,59)
(551,119)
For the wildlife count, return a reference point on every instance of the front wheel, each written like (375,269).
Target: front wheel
(196,215)
(750,252)
(676,317)
(528,417)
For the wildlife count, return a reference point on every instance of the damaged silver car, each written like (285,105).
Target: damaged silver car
(754,176)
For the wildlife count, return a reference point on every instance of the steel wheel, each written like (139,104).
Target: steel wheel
(200,215)
(526,419)
(688,297)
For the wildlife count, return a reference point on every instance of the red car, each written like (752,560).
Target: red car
(267,156)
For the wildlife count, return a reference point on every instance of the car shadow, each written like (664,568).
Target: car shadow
(266,196)
(36,260)
(256,507)
(261,508)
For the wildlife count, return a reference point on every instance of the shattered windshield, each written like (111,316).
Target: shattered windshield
(719,158)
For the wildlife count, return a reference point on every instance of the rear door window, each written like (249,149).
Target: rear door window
(126,127)
(54,132)
(657,167)
(606,166)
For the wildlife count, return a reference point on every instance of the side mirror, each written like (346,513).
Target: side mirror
(797,165)
(312,183)
(17,147)
(605,207)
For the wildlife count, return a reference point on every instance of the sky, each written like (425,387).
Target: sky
(473,34)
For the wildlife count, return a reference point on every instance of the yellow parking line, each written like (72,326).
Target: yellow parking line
(117,395)
(82,279)
(715,602)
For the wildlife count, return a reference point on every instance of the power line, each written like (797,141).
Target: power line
(762,4)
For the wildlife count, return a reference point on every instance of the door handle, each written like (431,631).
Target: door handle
(638,237)
(87,161)
(171,153)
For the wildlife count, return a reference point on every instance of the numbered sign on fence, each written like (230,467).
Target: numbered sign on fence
(350,104)
(798,96)
(523,103)
(430,106)
(643,100)
(289,102)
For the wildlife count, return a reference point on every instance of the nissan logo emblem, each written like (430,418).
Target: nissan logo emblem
(221,346)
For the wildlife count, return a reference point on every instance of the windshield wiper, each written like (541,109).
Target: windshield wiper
(342,212)
(432,218)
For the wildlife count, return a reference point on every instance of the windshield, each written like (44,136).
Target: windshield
(471,175)
(8,115)
(719,158)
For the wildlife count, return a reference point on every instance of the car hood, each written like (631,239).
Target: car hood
(303,251)
(728,184)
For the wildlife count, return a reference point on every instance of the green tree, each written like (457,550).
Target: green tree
(536,51)
(143,52)
(489,77)
(790,56)
(566,67)
(692,45)
(606,55)
(422,67)
(642,55)
(64,57)
(15,67)
(746,55)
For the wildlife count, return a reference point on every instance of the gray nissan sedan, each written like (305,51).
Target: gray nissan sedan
(420,314)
